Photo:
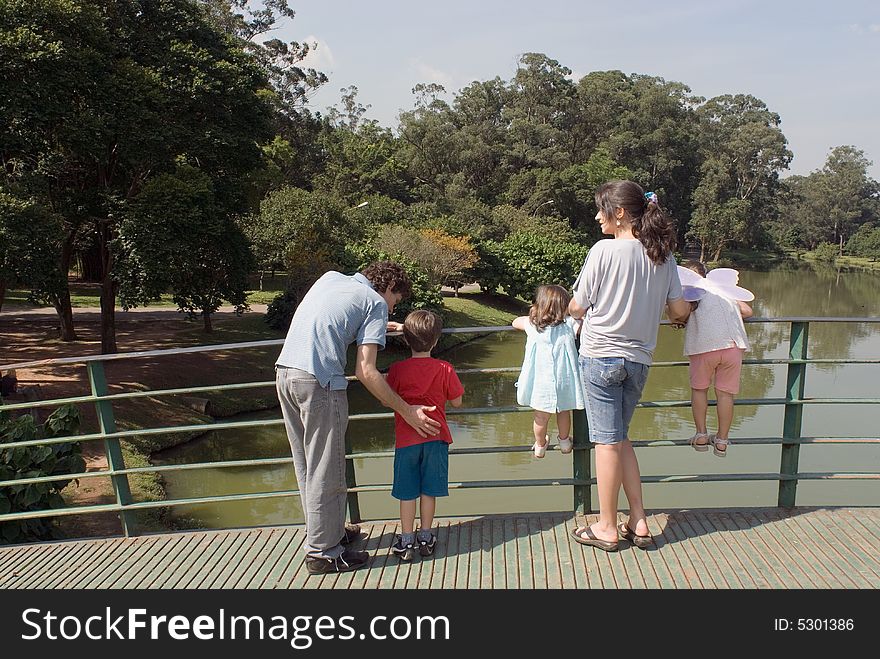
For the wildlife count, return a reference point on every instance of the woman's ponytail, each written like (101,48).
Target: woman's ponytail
(650,224)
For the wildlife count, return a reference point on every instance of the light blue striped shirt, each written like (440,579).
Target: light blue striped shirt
(336,311)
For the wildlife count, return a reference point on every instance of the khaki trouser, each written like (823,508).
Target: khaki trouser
(316,419)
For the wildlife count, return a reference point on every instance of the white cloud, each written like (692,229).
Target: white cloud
(858,28)
(320,56)
(874,27)
(427,73)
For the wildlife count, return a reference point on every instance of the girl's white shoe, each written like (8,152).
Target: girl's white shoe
(539,450)
(565,445)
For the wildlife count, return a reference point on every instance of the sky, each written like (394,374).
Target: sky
(808,61)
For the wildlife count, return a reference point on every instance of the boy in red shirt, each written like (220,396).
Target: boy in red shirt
(421,464)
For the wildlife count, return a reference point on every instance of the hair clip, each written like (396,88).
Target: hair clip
(652,197)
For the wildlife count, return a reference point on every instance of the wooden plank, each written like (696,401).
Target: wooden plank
(382,558)
(627,561)
(147,573)
(285,553)
(858,535)
(67,559)
(374,540)
(295,573)
(525,560)
(826,566)
(183,569)
(689,551)
(206,559)
(438,565)
(667,567)
(167,565)
(135,570)
(761,570)
(538,552)
(99,564)
(235,566)
(250,562)
(805,558)
(475,554)
(846,550)
(600,577)
(487,567)
(31,562)
(568,576)
(778,553)
(731,555)
(228,553)
(869,520)
(499,555)
(719,553)
(346,580)
(552,567)
(464,554)
(20,558)
(511,563)
(452,554)
(392,564)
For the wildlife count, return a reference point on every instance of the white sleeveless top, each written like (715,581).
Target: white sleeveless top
(716,324)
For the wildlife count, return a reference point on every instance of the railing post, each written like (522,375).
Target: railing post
(794,390)
(581,460)
(107,424)
(354,508)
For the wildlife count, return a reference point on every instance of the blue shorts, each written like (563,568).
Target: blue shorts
(613,386)
(421,469)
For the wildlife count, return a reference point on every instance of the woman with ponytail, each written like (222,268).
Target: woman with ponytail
(622,289)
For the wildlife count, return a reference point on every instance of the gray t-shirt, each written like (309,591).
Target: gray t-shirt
(624,294)
(336,311)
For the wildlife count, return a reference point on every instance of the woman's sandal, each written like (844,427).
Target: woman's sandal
(640,541)
(722,453)
(698,446)
(591,540)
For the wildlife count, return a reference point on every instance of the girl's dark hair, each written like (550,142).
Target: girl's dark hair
(697,266)
(650,223)
(550,307)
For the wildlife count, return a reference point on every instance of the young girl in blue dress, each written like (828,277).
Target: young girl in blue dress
(549,381)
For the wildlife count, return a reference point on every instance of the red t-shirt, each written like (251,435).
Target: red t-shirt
(423,381)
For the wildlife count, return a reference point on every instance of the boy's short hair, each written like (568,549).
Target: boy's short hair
(422,329)
(697,266)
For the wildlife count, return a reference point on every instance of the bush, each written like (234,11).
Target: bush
(825,252)
(865,242)
(280,311)
(35,462)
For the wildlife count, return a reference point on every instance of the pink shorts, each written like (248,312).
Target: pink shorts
(725,365)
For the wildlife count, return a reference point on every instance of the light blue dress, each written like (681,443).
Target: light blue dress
(549,380)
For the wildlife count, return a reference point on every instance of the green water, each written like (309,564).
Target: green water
(793,291)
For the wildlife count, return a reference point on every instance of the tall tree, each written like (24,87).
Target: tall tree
(744,150)
(150,84)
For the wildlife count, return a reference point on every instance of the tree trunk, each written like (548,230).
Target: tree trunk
(108,293)
(206,317)
(702,252)
(61,301)
(2,292)
(717,254)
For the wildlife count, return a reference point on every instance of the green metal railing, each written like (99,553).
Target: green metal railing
(581,480)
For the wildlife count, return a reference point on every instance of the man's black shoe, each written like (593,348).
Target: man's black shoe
(352,533)
(348,561)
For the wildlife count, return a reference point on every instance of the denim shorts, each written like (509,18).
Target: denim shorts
(613,386)
(421,469)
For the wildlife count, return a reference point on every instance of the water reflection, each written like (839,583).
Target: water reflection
(787,291)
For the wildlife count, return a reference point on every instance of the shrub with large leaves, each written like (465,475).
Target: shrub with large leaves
(19,462)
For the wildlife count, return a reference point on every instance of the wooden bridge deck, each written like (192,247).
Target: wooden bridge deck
(727,548)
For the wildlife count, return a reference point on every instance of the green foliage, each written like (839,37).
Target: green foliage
(865,242)
(280,311)
(526,260)
(35,462)
(28,241)
(425,295)
(176,237)
(825,252)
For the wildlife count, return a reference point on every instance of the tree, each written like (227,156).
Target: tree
(744,150)
(100,96)
(176,237)
(444,257)
(28,232)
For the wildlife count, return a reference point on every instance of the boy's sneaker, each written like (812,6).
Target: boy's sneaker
(347,561)
(426,547)
(403,552)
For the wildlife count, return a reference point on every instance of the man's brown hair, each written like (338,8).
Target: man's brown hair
(422,329)
(387,274)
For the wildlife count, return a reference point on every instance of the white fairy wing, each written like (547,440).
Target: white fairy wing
(690,278)
(730,291)
(723,276)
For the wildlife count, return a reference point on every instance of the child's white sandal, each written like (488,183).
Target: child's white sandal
(565,445)
(541,451)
